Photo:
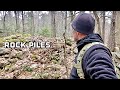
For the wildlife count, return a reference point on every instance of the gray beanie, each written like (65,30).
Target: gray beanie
(84,23)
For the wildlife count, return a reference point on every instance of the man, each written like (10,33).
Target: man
(97,61)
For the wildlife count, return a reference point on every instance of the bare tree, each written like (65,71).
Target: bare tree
(72,15)
(4,22)
(117,29)
(112,32)
(74,12)
(53,23)
(98,21)
(38,21)
(16,20)
(4,19)
(32,23)
(23,22)
(66,21)
(103,26)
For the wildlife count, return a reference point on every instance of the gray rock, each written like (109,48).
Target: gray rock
(6,56)
(13,60)
(34,66)
(3,63)
(4,51)
(13,54)
(16,54)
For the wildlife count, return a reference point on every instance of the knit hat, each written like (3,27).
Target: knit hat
(84,23)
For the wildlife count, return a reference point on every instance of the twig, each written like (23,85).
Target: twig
(65,60)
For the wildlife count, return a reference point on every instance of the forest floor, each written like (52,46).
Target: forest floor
(36,63)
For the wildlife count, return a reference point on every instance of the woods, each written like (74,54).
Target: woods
(52,26)
(54,23)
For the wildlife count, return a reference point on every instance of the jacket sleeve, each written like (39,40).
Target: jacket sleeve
(73,74)
(97,63)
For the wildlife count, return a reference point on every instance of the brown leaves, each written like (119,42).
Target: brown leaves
(31,63)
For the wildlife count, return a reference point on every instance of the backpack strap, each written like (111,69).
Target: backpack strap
(78,65)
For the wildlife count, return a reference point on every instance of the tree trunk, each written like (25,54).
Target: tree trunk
(72,15)
(98,21)
(117,29)
(32,23)
(4,22)
(23,22)
(66,21)
(74,12)
(112,32)
(103,26)
(38,22)
(53,23)
(16,20)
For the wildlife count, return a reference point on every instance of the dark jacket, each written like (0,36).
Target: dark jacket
(97,62)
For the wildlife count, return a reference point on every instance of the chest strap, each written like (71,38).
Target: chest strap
(78,65)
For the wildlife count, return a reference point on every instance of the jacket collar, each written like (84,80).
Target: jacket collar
(88,39)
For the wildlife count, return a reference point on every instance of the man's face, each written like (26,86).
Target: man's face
(75,35)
